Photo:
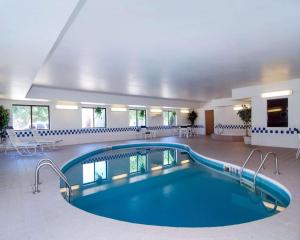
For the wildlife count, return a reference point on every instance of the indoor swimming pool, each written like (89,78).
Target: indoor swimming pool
(168,185)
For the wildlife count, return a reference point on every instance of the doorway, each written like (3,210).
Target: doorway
(209,122)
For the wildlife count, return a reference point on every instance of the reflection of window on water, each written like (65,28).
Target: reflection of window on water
(94,171)
(169,157)
(137,163)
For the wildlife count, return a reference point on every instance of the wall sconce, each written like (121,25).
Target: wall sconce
(66,107)
(184,110)
(118,109)
(155,110)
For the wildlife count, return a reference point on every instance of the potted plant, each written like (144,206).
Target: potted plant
(245,116)
(173,118)
(142,114)
(98,111)
(192,116)
(4,120)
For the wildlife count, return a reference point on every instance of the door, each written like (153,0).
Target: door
(209,122)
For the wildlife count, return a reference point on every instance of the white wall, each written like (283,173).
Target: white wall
(71,119)
(288,138)
(223,114)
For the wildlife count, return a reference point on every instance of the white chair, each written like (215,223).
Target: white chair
(185,131)
(147,133)
(298,151)
(23,148)
(44,142)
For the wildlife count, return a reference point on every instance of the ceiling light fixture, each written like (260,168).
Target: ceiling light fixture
(277,94)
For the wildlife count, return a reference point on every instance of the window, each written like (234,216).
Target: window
(277,112)
(95,171)
(137,118)
(30,116)
(91,118)
(169,157)
(170,118)
(137,163)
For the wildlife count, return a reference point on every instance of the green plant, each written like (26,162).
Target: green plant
(245,116)
(98,111)
(4,120)
(192,116)
(142,114)
(173,118)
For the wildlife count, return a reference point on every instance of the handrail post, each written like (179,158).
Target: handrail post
(249,157)
(48,162)
(276,172)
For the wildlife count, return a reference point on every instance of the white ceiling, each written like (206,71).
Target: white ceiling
(192,49)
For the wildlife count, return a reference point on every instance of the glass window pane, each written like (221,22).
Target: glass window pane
(133,166)
(166,157)
(172,119)
(142,163)
(40,117)
(141,117)
(87,117)
(172,156)
(21,117)
(100,118)
(88,173)
(132,118)
(166,118)
(100,170)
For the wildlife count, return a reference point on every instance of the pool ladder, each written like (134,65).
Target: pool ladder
(252,184)
(55,168)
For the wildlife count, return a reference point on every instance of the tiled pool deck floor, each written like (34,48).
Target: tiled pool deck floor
(47,215)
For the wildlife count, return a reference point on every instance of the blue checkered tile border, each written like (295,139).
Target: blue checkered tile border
(275,131)
(232,126)
(27,133)
(109,156)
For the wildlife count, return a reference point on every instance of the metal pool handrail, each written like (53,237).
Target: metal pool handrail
(261,165)
(54,167)
(249,157)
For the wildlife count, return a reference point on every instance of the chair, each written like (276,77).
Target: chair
(23,148)
(298,151)
(185,131)
(146,132)
(44,142)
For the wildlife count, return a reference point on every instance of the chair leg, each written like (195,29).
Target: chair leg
(298,153)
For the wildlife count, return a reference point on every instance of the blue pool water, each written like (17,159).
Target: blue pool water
(165,186)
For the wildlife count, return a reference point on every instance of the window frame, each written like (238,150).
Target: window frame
(169,156)
(30,105)
(169,112)
(136,117)
(94,108)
